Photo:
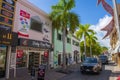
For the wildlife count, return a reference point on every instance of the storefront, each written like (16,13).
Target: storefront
(7,40)
(31,53)
(3,51)
(35,37)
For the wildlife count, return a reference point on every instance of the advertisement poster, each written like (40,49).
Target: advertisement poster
(24,23)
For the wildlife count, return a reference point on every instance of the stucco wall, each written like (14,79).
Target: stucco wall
(34,12)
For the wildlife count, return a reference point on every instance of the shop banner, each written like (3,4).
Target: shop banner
(19,53)
(8,38)
(24,23)
(34,43)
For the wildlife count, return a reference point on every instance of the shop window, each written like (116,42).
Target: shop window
(21,60)
(2,60)
(36,25)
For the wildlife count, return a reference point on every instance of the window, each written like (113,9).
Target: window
(36,25)
(75,43)
(68,40)
(3,50)
(59,37)
(21,60)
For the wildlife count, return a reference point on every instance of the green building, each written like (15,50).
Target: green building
(58,49)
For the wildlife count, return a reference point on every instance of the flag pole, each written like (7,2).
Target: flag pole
(116,18)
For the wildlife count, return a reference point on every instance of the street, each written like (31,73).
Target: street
(104,75)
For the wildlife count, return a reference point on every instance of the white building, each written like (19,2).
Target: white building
(76,55)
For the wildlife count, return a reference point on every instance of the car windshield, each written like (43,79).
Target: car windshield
(103,57)
(90,60)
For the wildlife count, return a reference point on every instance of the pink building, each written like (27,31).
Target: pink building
(34,40)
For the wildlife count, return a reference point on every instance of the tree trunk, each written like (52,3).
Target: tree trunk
(64,48)
(90,50)
(85,45)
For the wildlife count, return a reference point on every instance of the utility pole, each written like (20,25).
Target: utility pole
(116,18)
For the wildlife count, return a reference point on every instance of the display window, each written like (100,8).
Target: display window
(21,59)
(2,60)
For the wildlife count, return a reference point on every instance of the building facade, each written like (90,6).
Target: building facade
(114,41)
(76,54)
(8,38)
(34,30)
(58,48)
(72,54)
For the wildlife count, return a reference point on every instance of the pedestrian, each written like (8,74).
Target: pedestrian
(33,72)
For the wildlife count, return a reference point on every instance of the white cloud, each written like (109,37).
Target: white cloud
(100,34)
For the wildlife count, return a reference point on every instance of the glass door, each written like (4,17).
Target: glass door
(2,60)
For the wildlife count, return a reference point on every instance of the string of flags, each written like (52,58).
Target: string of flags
(110,25)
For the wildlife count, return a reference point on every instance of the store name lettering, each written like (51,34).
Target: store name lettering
(5,13)
(24,14)
(7,7)
(7,36)
(40,44)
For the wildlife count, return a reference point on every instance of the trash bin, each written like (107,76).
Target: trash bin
(41,72)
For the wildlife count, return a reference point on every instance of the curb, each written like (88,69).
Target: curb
(116,70)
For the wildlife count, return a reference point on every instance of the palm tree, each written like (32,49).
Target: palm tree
(83,32)
(91,39)
(63,18)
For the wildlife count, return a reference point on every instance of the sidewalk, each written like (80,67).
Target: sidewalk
(115,73)
(51,74)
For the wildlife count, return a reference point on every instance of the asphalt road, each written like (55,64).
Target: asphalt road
(76,75)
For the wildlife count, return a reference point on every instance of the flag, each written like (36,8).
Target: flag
(99,2)
(108,28)
(107,7)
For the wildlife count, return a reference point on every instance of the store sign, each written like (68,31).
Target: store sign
(34,43)
(7,13)
(5,20)
(6,6)
(46,54)
(5,27)
(24,23)
(19,53)
(8,38)
(11,2)
(24,14)
(40,44)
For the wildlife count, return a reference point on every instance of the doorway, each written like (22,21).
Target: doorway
(59,59)
(33,60)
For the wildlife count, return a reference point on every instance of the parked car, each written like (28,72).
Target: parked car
(104,59)
(91,64)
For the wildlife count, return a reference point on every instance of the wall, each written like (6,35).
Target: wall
(33,11)
(74,47)
(58,47)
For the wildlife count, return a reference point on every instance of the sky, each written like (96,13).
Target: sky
(89,13)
